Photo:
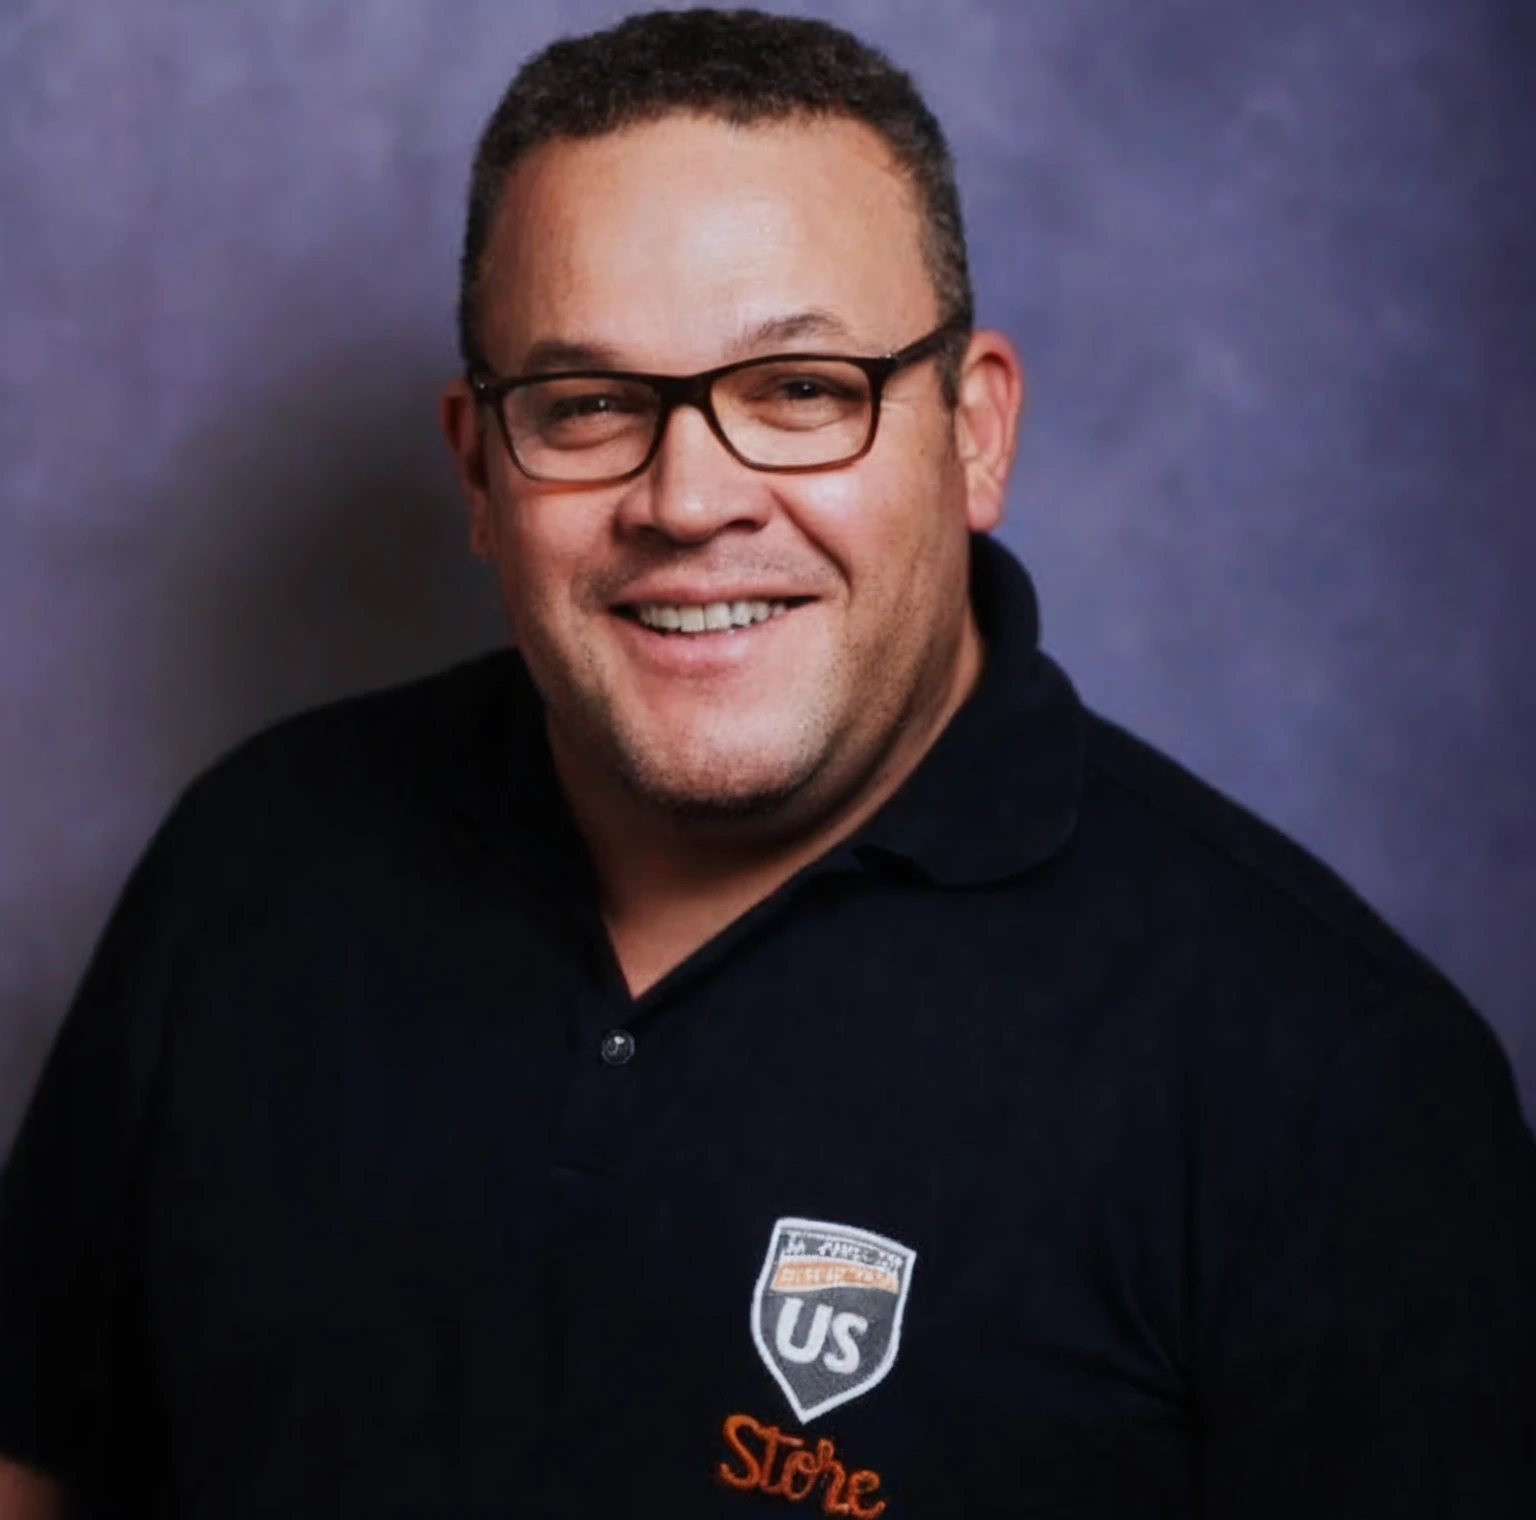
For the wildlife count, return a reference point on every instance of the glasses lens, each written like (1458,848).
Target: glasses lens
(795,413)
(574,428)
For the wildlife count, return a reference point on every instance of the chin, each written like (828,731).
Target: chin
(723,787)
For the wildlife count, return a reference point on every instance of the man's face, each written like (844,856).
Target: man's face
(673,247)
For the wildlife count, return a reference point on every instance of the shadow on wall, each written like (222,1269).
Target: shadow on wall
(318,549)
(309,545)
(31,1017)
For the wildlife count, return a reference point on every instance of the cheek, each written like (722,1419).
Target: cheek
(888,522)
(534,559)
(546,545)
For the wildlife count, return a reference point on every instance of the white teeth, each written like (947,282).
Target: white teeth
(708,617)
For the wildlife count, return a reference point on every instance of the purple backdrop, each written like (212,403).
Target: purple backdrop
(1272,267)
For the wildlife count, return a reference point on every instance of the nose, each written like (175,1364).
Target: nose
(694,488)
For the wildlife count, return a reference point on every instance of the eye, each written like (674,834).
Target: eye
(803,388)
(595,404)
(580,410)
(795,395)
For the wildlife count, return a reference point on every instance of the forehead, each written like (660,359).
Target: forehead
(666,241)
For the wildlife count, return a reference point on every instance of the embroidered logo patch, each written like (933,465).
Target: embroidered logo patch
(826,1316)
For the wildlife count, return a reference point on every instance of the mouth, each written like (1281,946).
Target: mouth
(691,619)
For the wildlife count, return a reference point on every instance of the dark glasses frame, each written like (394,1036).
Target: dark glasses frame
(673,391)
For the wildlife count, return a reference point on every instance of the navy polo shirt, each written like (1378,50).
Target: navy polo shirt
(1066,1143)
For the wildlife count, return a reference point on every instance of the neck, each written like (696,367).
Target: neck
(668,884)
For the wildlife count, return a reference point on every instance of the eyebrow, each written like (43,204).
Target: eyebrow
(811,323)
(554,354)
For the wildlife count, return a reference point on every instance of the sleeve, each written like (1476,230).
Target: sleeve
(74,1387)
(1372,1350)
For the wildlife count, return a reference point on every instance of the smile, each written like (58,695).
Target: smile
(706,617)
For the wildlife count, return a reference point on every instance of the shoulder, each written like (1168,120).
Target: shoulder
(1293,999)
(392,733)
(1244,878)
(1280,964)
(347,781)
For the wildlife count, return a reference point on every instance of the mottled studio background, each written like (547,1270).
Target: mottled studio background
(1272,266)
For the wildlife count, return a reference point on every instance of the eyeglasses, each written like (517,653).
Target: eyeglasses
(789,413)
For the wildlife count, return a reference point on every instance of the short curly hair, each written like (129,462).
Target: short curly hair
(742,66)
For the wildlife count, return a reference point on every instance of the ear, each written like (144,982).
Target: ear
(458,415)
(991,396)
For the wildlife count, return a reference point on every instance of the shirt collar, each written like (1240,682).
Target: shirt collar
(995,795)
(998,791)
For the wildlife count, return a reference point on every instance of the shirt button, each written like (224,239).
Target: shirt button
(617,1047)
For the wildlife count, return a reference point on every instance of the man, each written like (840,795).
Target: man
(763,1044)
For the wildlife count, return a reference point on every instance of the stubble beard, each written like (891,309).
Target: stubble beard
(702,781)
(722,791)
(712,784)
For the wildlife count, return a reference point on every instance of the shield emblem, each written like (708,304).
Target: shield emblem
(826,1316)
